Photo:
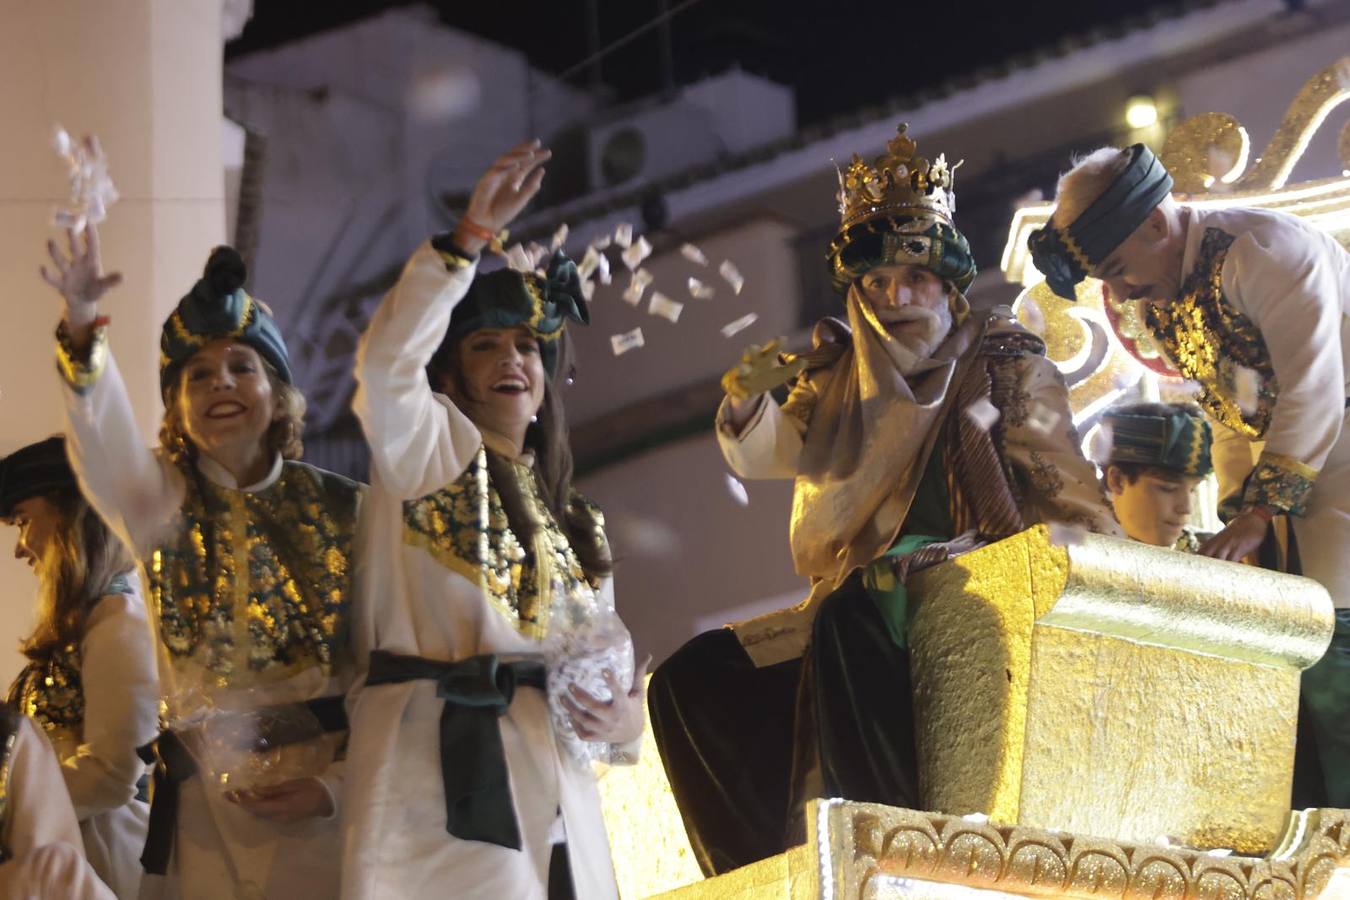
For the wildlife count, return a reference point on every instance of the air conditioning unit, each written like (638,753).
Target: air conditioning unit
(649,144)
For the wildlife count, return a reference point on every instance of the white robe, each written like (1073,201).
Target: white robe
(121,713)
(220,849)
(41,830)
(1293,281)
(396,844)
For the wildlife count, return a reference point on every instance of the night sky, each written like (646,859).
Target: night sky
(839,55)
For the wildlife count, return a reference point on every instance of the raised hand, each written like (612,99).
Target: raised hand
(78,276)
(501,193)
(760,370)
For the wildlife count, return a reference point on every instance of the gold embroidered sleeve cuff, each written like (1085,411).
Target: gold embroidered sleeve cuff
(80,371)
(453,257)
(1281,483)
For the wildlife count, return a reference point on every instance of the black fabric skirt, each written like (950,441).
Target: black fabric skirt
(745,747)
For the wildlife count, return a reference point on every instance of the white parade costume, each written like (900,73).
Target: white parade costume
(446,580)
(1276,293)
(37,822)
(247,589)
(98,701)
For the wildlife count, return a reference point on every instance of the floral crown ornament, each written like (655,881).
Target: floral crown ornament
(898,210)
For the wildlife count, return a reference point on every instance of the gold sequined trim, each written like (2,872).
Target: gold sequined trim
(1210,342)
(464,527)
(1281,483)
(454,261)
(80,371)
(50,691)
(270,569)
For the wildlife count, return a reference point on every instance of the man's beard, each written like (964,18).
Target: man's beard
(918,333)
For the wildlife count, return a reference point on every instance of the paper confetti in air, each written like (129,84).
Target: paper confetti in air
(732,275)
(518,259)
(602,270)
(623,235)
(629,340)
(1063,534)
(1246,389)
(665,307)
(589,263)
(732,328)
(587,289)
(602,242)
(537,253)
(737,490)
(637,283)
(1030,315)
(693,254)
(559,237)
(1043,419)
(91,190)
(635,254)
(983,413)
(700,290)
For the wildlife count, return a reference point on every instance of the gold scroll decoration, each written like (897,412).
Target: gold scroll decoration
(866,850)
(1072,687)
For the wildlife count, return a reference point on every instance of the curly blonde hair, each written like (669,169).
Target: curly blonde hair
(284,436)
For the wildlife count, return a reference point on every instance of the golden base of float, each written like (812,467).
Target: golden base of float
(864,850)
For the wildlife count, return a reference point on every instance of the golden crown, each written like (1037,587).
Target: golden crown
(897,182)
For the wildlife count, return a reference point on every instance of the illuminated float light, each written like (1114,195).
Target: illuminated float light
(1141,111)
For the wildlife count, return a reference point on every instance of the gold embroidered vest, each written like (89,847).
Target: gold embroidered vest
(260,578)
(50,692)
(464,528)
(1210,342)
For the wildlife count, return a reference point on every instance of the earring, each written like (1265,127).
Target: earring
(534,419)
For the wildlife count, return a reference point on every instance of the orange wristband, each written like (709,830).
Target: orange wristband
(477,230)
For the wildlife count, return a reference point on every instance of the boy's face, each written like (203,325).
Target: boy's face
(1154,508)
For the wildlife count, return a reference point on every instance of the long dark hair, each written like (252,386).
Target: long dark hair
(82,559)
(547,437)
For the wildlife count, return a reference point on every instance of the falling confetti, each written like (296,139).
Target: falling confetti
(559,237)
(1246,389)
(637,283)
(699,290)
(732,275)
(693,254)
(982,413)
(518,259)
(732,328)
(629,340)
(602,271)
(589,263)
(737,490)
(587,289)
(665,307)
(636,253)
(91,190)
(602,242)
(536,252)
(623,235)
(1062,534)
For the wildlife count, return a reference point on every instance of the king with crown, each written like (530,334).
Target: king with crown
(915,429)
